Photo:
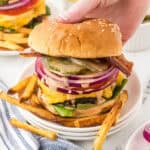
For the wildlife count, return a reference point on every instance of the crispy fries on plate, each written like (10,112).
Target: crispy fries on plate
(29,89)
(19,86)
(28,100)
(14,41)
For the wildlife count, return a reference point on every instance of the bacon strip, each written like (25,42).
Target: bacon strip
(122,63)
(29,54)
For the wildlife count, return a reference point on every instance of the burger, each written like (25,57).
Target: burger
(80,67)
(15,14)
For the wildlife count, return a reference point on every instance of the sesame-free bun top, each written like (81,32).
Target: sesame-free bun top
(94,38)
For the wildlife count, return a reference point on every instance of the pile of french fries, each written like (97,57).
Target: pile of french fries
(14,41)
(26,91)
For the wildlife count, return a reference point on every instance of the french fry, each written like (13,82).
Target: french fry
(25,31)
(35,100)
(45,133)
(19,41)
(29,88)
(7,36)
(82,122)
(108,121)
(19,86)
(123,100)
(17,38)
(10,45)
(37,111)
(67,123)
(89,121)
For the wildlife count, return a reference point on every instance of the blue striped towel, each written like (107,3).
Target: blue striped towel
(12,138)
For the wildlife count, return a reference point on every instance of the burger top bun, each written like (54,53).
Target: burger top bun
(94,38)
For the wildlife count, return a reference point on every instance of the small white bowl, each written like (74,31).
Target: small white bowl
(137,141)
(140,40)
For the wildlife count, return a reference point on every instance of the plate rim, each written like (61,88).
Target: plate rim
(12,52)
(8,53)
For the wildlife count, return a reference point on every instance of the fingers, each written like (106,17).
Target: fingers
(105,3)
(77,12)
(80,10)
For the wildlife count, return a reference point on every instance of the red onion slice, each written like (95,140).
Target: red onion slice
(73,92)
(67,90)
(79,83)
(86,80)
(76,87)
(39,69)
(81,77)
(15,5)
(146,133)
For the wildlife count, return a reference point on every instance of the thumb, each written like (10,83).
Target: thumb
(78,11)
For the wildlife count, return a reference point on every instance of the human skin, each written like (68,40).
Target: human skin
(128,14)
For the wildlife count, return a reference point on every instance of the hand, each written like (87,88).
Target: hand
(128,14)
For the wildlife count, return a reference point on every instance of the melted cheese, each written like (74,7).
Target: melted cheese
(17,21)
(53,96)
(120,77)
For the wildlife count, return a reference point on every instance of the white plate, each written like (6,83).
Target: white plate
(8,53)
(12,53)
(135,95)
(137,141)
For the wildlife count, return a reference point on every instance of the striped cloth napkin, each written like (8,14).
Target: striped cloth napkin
(12,138)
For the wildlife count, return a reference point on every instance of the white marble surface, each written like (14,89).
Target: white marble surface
(11,67)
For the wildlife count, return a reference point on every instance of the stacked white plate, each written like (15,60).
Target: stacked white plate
(127,114)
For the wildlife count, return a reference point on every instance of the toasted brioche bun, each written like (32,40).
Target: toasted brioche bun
(94,38)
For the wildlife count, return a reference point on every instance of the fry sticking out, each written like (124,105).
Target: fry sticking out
(38,111)
(35,101)
(10,45)
(89,121)
(29,88)
(45,133)
(108,121)
(19,86)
